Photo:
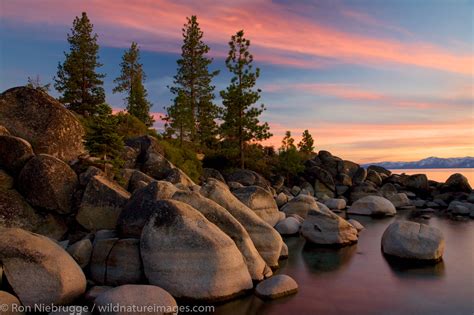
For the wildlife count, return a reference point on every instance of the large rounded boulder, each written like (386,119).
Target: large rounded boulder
(266,239)
(260,201)
(101,204)
(413,241)
(38,269)
(140,297)
(43,121)
(141,206)
(327,228)
(190,257)
(48,183)
(457,183)
(373,206)
(229,225)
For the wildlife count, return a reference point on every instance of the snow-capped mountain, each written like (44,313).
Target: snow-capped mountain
(431,162)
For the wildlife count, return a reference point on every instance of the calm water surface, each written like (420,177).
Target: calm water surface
(359,280)
(439,174)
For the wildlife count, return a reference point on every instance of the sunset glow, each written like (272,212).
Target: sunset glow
(368,83)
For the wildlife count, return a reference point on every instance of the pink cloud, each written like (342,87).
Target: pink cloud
(275,31)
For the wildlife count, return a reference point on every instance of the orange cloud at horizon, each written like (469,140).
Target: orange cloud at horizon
(365,143)
(280,36)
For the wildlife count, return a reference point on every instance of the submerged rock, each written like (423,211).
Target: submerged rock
(38,269)
(412,240)
(276,287)
(190,257)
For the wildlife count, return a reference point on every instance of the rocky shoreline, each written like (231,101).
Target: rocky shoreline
(155,236)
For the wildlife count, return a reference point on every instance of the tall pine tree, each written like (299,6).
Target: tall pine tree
(77,79)
(306,145)
(240,118)
(193,114)
(131,81)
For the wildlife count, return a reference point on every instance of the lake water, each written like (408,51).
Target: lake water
(439,174)
(359,280)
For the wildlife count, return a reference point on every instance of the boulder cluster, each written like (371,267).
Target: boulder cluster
(72,233)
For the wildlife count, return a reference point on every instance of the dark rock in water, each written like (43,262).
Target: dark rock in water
(213,268)
(418,183)
(14,153)
(48,183)
(141,206)
(379,169)
(276,287)
(457,183)
(42,121)
(211,173)
(101,204)
(248,178)
(411,240)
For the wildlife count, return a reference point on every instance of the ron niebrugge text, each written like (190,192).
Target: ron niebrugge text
(111,307)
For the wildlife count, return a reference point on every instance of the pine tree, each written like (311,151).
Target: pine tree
(306,145)
(289,159)
(35,83)
(193,90)
(288,142)
(77,79)
(178,119)
(240,117)
(102,139)
(131,81)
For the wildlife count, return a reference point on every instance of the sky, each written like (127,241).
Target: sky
(371,80)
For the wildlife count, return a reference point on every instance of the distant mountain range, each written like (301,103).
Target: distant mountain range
(431,162)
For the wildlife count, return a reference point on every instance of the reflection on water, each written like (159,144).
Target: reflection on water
(359,280)
(323,259)
(405,269)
